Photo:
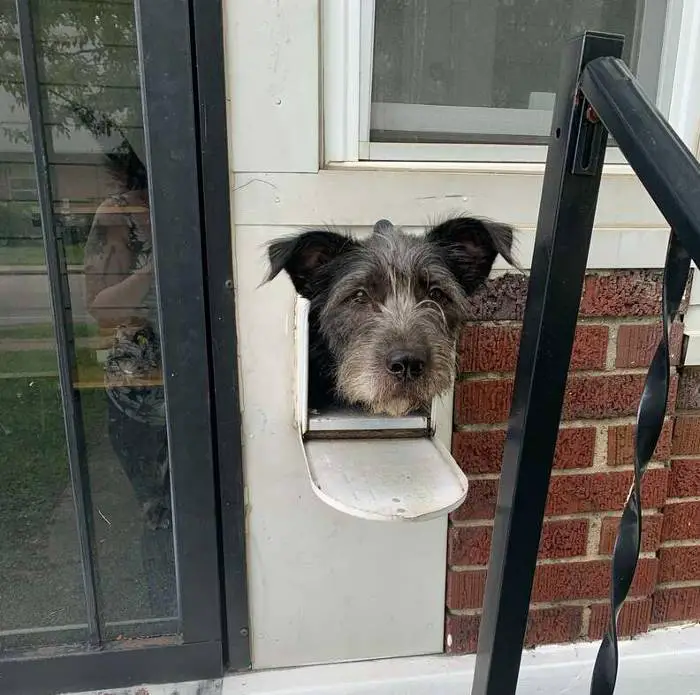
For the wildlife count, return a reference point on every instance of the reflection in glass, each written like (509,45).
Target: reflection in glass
(91,112)
(121,297)
(88,64)
(486,56)
(41,587)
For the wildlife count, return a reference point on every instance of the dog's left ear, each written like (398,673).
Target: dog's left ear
(304,257)
(470,245)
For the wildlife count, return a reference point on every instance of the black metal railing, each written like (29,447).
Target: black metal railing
(597,95)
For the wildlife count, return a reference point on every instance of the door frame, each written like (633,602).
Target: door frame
(210,71)
(190,205)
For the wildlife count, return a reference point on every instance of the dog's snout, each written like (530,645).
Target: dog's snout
(406,364)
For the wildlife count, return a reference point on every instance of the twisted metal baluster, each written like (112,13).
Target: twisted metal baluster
(650,420)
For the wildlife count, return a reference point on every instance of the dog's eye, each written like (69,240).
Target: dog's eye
(437,295)
(360,296)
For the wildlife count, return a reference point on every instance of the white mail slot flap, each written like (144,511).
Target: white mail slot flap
(386,479)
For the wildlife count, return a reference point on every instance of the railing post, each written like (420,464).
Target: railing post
(567,209)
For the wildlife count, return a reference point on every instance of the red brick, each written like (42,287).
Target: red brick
(685,478)
(590,347)
(599,492)
(480,502)
(621,444)
(487,401)
(689,389)
(553,625)
(575,447)
(671,605)
(590,579)
(482,451)
(637,343)
(634,619)
(681,521)
(544,626)
(501,299)
(470,545)
(679,564)
(563,538)
(495,348)
(602,396)
(651,533)
(465,589)
(622,293)
(610,395)
(461,633)
(686,436)
(483,400)
(479,451)
(488,348)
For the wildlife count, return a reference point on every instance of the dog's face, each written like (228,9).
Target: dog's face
(389,307)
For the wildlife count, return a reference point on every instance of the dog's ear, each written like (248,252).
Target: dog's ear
(470,245)
(303,257)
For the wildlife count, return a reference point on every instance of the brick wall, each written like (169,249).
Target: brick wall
(616,336)
(677,595)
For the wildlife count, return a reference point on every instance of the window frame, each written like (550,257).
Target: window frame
(347,47)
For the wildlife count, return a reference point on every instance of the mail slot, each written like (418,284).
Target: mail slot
(371,466)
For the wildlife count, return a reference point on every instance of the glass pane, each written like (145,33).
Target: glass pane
(485,70)
(42,601)
(89,74)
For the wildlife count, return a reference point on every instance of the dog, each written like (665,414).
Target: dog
(385,312)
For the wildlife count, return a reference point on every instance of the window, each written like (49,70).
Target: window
(472,80)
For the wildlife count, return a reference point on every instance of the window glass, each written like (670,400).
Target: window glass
(42,601)
(471,71)
(88,69)
(90,112)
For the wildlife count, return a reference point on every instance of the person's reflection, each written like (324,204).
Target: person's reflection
(121,297)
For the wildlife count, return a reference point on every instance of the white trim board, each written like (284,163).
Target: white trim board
(665,660)
(410,197)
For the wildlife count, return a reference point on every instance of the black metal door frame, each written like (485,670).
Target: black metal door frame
(210,84)
(180,45)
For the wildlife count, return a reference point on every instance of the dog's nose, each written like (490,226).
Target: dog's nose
(405,364)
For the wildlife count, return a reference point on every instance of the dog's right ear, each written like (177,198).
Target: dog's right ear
(304,257)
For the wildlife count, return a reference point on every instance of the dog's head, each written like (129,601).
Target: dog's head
(389,307)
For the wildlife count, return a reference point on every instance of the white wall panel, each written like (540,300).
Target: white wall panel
(323,586)
(273,72)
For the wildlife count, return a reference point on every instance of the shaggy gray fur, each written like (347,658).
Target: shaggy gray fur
(386,311)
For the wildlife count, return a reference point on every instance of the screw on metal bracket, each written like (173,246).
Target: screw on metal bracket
(590,152)
(591,115)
